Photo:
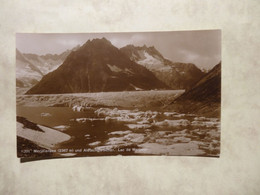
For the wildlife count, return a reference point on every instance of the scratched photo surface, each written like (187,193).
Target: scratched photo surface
(102,94)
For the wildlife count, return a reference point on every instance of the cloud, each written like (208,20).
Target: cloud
(68,43)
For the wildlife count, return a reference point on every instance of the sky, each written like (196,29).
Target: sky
(203,48)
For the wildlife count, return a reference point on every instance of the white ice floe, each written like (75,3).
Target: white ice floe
(213,134)
(116,141)
(182,139)
(78,108)
(119,118)
(200,118)
(138,126)
(109,112)
(172,123)
(179,115)
(170,135)
(135,137)
(62,127)
(44,114)
(81,120)
(162,141)
(126,115)
(120,132)
(169,114)
(206,119)
(213,119)
(176,134)
(48,139)
(95,143)
(205,123)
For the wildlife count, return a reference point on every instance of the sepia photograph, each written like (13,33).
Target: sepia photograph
(104,94)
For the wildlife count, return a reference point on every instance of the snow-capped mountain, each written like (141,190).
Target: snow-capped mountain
(27,74)
(30,68)
(95,67)
(175,75)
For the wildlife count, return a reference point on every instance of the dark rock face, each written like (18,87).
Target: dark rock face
(95,67)
(175,75)
(28,124)
(135,52)
(181,75)
(204,97)
(207,89)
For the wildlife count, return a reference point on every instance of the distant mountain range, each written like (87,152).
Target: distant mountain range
(175,75)
(30,68)
(95,67)
(99,66)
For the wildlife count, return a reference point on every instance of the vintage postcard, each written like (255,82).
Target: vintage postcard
(102,94)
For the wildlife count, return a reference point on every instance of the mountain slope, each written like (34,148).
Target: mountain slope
(175,75)
(205,96)
(97,66)
(49,62)
(27,74)
(30,68)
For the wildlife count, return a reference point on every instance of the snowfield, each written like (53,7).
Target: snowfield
(48,139)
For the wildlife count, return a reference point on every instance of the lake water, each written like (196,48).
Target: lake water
(129,131)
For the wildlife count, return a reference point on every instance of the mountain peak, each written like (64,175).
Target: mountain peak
(98,41)
(97,66)
(144,46)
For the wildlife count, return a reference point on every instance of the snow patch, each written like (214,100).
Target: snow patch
(136,88)
(173,123)
(47,139)
(45,114)
(62,127)
(135,137)
(77,108)
(138,126)
(95,143)
(114,68)
(205,123)
(116,141)
(120,132)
